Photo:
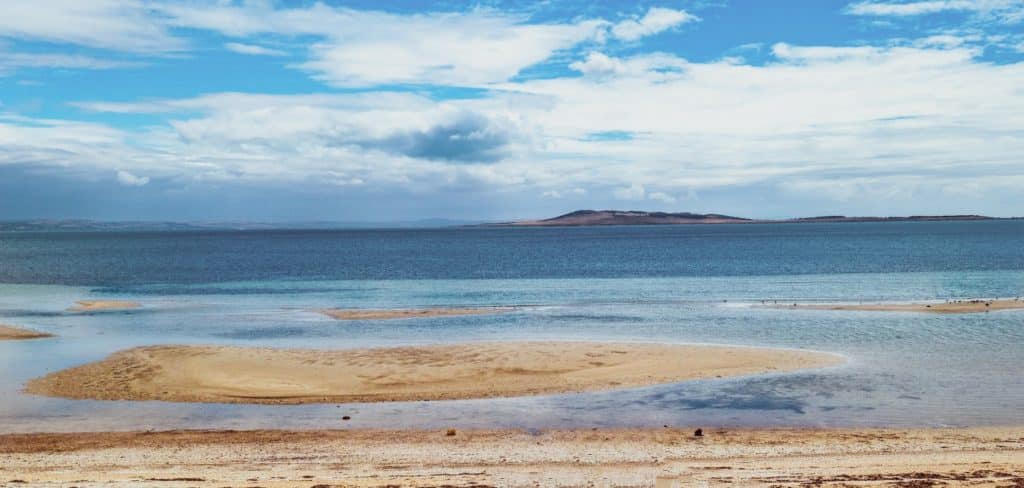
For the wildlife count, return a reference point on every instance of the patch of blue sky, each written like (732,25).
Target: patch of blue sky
(610,135)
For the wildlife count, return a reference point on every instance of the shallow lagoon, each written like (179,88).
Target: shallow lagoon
(903,369)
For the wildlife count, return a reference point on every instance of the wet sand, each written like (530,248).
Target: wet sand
(958,306)
(475,370)
(11,333)
(103,305)
(669,457)
(365,314)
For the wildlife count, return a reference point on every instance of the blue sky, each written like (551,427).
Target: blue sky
(378,111)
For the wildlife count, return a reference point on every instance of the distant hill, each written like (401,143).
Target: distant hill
(635,217)
(629,217)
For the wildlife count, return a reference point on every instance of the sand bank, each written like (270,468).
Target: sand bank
(103,305)
(10,333)
(364,314)
(671,457)
(957,306)
(476,370)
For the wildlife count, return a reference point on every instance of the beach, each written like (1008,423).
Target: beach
(441,372)
(11,333)
(949,306)
(662,457)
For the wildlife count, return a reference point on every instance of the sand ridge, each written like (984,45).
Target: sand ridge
(384,314)
(662,457)
(225,374)
(103,305)
(11,333)
(950,306)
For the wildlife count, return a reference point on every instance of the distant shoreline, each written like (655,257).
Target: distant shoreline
(579,218)
(593,218)
(946,307)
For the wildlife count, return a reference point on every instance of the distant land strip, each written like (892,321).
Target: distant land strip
(636,217)
(576,218)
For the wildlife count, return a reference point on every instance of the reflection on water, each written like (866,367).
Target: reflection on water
(904,368)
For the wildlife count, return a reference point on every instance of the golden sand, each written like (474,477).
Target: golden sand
(957,306)
(670,457)
(365,314)
(476,370)
(103,305)
(10,333)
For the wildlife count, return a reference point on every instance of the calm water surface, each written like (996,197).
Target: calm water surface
(676,284)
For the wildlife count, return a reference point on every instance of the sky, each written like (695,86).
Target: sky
(492,110)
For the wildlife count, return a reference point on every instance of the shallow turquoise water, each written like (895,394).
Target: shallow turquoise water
(903,369)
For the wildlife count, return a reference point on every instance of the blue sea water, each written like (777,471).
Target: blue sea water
(675,284)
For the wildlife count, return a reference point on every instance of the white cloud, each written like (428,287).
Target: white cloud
(363,48)
(909,8)
(13,61)
(127,179)
(662,197)
(348,48)
(476,49)
(635,191)
(1006,10)
(656,20)
(253,50)
(599,64)
(123,25)
(807,121)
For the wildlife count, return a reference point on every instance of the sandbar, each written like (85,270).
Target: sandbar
(103,305)
(367,314)
(223,374)
(952,306)
(651,457)
(11,333)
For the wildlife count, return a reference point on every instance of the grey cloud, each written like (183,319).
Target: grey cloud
(469,138)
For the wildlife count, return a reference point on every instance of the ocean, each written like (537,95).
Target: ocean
(671,284)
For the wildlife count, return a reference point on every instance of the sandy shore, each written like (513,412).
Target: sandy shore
(979,457)
(958,306)
(475,370)
(365,314)
(103,305)
(11,333)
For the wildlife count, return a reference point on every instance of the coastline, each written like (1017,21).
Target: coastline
(946,307)
(979,456)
